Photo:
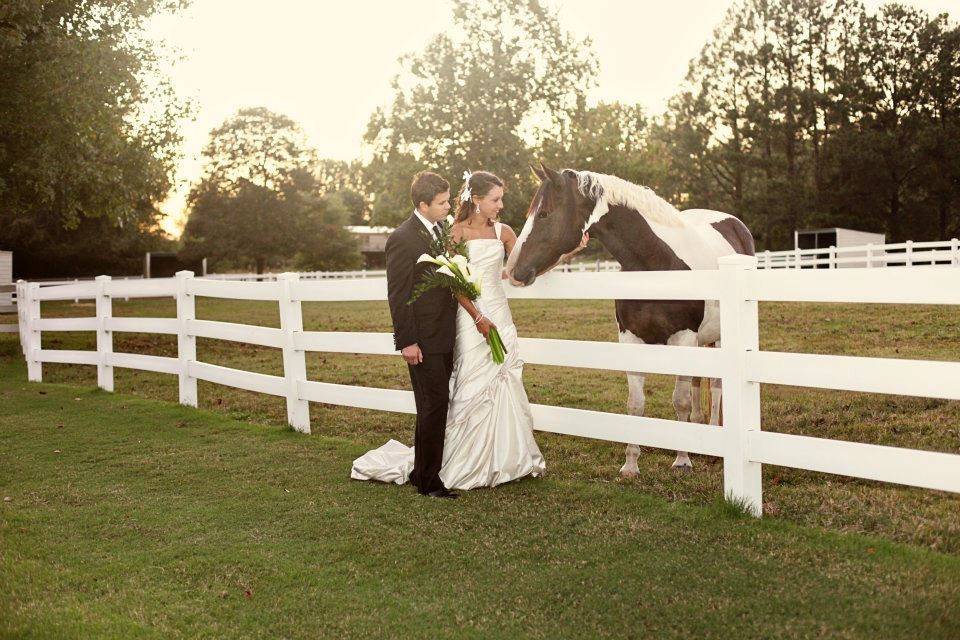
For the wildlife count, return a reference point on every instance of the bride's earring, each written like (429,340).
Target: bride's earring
(477,209)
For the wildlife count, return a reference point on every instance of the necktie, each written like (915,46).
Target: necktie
(436,230)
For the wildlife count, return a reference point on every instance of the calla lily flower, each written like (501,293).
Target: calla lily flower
(461,262)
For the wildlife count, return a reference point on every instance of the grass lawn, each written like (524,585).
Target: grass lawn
(915,516)
(132,517)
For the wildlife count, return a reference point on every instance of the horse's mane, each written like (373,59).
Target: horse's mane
(609,190)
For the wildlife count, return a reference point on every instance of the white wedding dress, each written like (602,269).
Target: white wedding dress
(489,435)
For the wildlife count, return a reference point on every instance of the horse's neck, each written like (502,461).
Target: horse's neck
(628,237)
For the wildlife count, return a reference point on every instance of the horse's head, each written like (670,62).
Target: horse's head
(555,224)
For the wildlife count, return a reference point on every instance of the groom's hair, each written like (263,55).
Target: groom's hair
(426,186)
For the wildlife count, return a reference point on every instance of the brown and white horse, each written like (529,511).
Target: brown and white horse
(644,233)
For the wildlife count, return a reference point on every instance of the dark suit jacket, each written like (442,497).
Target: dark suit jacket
(429,322)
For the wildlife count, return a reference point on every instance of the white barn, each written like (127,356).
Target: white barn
(839,238)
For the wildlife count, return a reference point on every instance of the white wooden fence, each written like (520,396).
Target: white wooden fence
(902,254)
(742,366)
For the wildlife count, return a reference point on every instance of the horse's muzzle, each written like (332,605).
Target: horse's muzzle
(523,278)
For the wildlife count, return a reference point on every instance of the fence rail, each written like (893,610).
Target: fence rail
(742,366)
(900,254)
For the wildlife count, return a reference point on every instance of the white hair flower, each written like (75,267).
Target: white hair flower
(465,196)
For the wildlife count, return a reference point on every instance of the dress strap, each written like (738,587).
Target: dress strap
(496,228)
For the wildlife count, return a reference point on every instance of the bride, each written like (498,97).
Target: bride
(489,432)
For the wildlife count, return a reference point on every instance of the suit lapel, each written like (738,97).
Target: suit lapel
(419,231)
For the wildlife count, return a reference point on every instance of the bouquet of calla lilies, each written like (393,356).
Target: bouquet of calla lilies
(454,272)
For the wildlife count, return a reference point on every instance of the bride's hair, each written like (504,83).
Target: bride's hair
(480,184)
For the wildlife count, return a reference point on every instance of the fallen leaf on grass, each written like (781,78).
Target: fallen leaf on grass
(7,499)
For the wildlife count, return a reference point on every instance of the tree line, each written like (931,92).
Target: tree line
(795,113)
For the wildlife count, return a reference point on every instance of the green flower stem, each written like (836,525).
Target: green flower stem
(497,350)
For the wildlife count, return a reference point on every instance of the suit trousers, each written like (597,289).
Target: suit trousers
(430,380)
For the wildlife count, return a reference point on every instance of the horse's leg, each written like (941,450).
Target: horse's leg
(716,397)
(683,395)
(696,410)
(636,400)
(716,401)
(635,405)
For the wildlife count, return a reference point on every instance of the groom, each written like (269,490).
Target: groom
(424,331)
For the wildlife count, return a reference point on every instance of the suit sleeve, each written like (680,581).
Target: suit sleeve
(400,270)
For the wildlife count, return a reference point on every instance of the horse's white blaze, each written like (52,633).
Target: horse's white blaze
(515,253)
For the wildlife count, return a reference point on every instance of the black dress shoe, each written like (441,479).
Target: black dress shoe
(443,493)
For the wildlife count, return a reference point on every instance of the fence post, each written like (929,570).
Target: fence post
(104,336)
(909,253)
(796,257)
(739,333)
(833,257)
(766,259)
(294,361)
(76,300)
(870,256)
(22,325)
(186,343)
(955,252)
(34,367)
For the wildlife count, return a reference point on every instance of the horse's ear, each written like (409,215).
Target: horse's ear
(551,175)
(538,172)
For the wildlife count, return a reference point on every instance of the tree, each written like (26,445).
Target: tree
(88,130)
(343,183)
(815,112)
(260,146)
(506,78)
(260,200)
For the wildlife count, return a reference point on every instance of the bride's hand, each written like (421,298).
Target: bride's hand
(484,326)
(584,241)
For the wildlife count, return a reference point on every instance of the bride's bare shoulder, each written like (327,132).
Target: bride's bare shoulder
(507,233)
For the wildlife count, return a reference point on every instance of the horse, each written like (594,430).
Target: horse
(643,232)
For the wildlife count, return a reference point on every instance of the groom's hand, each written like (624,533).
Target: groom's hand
(412,354)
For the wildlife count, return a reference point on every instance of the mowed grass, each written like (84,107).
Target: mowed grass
(124,517)
(903,514)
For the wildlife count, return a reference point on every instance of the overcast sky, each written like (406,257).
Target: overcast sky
(328,64)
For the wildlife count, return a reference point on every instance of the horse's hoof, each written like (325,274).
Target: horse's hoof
(684,467)
(627,474)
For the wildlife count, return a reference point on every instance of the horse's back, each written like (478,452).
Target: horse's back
(731,228)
